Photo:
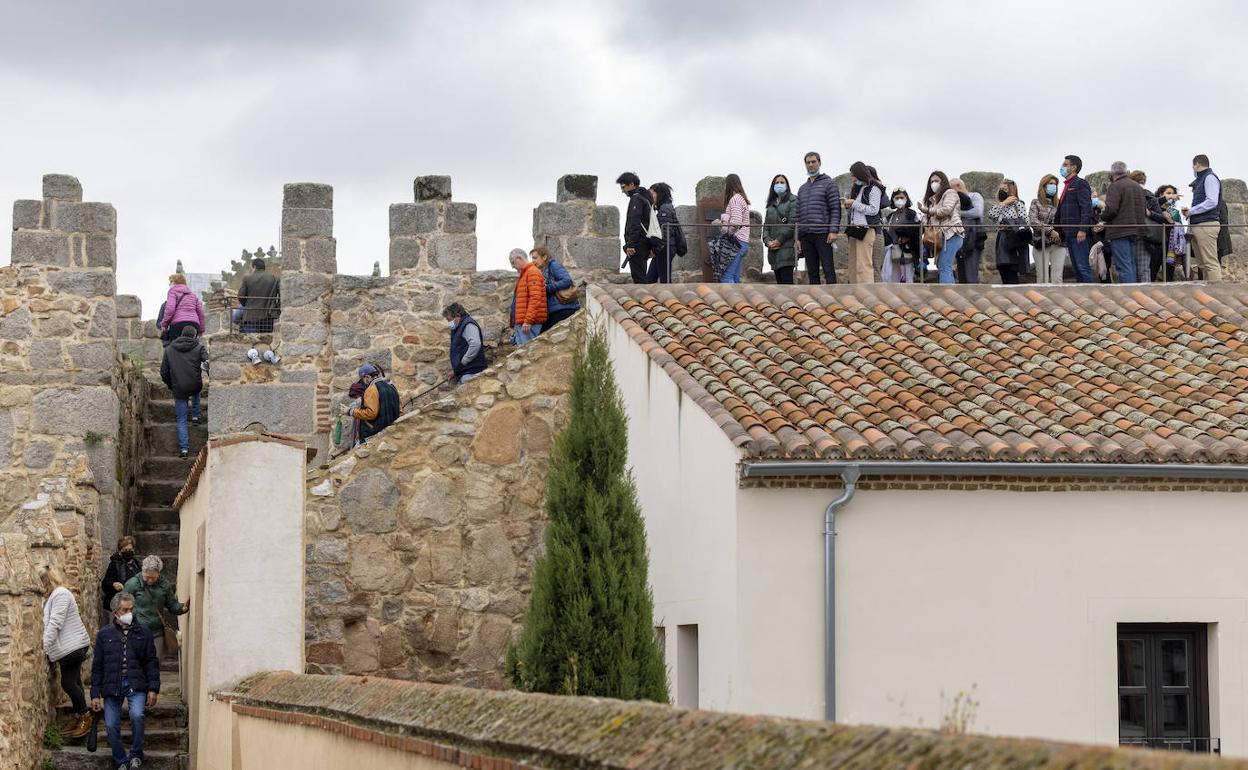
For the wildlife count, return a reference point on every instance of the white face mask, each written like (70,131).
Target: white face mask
(935,186)
(899,202)
(451,324)
(125,618)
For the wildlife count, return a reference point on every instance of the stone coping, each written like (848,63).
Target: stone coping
(487,728)
(201,459)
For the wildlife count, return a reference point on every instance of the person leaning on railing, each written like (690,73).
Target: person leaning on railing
(1047,248)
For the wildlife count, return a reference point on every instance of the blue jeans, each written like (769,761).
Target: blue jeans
(948,253)
(180,406)
(519,337)
(1123,250)
(1079,257)
(112,723)
(733,273)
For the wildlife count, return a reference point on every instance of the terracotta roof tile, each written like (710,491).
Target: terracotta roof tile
(1131,374)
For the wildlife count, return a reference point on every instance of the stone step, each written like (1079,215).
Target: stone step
(159,492)
(163,410)
(159,542)
(162,439)
(156,518)
(166,468)
(77,758)
(168,714)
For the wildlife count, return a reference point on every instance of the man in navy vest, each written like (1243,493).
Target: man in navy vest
(467,350)
(1203,218)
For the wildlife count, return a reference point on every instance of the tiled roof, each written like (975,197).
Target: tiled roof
(1130,374)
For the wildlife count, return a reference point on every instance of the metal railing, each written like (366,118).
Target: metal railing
(1194,745)
(234,312)
(1164,265)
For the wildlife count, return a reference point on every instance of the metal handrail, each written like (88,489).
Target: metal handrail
(232,303)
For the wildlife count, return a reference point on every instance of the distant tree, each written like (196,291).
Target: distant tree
(589,629)
(233,278)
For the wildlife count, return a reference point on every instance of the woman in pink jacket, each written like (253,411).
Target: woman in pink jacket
(182,308)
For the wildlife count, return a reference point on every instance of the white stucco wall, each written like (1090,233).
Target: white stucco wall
(685,470)
(1016,593)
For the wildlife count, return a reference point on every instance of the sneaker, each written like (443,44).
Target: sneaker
(135,762)
(195,421)
(253,356)
(124,766)
(271,357)
(183,454)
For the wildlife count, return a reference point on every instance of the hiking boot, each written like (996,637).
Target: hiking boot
(79,726)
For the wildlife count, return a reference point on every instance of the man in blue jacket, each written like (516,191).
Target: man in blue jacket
(124,667)
(1074,210)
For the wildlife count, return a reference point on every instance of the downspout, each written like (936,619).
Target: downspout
(850,477)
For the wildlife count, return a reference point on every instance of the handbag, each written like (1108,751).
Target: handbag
(166,335)
(723,250)
(172,645)
(857,232)
(569,294)
(93,734)
(933,237)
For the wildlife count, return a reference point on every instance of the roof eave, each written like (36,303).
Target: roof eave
(816,468)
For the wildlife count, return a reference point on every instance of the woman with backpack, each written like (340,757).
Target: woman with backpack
(780,230)
(673,243)
(1013,234)
(864,202)
(736,222)
(942,228)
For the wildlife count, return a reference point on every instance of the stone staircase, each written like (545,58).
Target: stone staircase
(155,530)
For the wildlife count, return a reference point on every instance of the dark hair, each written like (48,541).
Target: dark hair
(257,263)
(902,191)
(1161,190)
(944,185)
(860,172)
(1077,161)
(1202,159)
(628,177)
(662,193)
(771,191)
(732,186)
(454,310)
(812,152)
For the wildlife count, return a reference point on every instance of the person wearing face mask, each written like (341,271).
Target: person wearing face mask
(122,566)
(1047,248)
(818,220)
(971,210)
(1075,216)
(467,350)
(124,669)
(942,229)
(779,232)
(864,202)
(1176,234)
(1009,214)
(901,239)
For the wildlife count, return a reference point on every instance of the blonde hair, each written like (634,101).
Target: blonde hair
(177,278)
(51,578)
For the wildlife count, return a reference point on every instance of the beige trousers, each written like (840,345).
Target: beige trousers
(1050,263)
(1205,250)
(861,268)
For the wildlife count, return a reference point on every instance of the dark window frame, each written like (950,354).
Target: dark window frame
(1197,687)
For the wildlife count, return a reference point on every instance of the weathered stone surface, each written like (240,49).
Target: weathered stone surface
(560,218)
(84,283)
(84,217)
(6,437)
(319,255)
(1235,190)
(488,642)
(413,218)
(300,289)
(40,247)
(606,221)
(15,325)
(129,306)
(92,355)
(440,559)
(306,223)
(430,188)
(307,195)
(453,252)
(103,321)
(280,408)
(27,215)
(406,253)
(460,218)
(498,440)
(370,502)
(431,500)
(62,187)
(76,411)
(376,566)
(576,187)
(710,188)
(330,550)
(596,253)
(360,653)
(490,558)
(36,454)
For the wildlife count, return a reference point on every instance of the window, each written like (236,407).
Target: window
(687,666)
(1163,687)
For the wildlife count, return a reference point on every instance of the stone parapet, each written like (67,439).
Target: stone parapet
(576,230)
(434,233)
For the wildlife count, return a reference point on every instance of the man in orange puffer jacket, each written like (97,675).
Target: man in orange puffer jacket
(528,304)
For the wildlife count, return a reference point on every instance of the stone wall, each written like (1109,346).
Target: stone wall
(433,234)
(420,545)
(575,229)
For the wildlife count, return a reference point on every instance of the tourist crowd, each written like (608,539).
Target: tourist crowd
(1125,233)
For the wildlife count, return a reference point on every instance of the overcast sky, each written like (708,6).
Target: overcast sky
(189,117)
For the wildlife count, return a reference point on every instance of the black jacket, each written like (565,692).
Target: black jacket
(636,222)
(137,648)
(675,245)
(1075,208)
(119,571)
(180,370)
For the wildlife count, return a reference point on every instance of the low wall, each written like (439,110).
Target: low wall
(420,545)
(377,723)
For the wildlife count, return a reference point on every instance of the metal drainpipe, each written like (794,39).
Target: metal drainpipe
(850,476)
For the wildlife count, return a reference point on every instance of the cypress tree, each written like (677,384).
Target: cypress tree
(589,628)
